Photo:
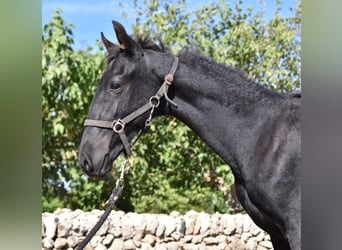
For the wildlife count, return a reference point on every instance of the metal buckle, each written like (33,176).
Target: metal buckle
(168,79)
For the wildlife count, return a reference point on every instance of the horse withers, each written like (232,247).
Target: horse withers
(256,131)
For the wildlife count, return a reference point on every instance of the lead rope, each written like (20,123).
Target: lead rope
(115,195)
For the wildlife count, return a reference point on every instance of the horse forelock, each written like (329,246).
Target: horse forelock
(144,42)
(112,55)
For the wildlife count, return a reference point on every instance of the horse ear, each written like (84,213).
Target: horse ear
(126,42)
(108,44)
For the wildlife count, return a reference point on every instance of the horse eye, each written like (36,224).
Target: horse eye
(115,86)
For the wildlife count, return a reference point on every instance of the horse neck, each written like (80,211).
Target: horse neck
(222,106)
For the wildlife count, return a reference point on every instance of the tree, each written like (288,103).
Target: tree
(68,82)
(173,169)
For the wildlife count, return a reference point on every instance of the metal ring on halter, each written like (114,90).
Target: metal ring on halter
(155,101)
(118,126)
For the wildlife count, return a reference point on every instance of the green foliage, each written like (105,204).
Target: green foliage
(173,169)
(172,163)
(68,83)
(266,51)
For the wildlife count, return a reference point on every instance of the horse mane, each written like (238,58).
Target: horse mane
(220,72)
(194,58)
(147,43)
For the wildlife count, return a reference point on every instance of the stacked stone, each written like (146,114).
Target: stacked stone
(65,229)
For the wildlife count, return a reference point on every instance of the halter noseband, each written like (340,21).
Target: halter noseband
(118,126)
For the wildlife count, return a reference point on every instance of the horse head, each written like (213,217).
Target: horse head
(124,101)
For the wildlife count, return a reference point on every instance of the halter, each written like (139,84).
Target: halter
(118,126)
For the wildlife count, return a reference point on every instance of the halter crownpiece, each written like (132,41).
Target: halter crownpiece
(118,126)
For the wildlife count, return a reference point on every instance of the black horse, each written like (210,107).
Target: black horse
(255,130)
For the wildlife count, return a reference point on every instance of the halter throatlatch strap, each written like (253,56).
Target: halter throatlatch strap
(118,126)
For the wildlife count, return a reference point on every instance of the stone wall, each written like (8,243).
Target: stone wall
(64,229)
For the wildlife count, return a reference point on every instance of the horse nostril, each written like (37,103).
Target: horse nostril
(86,164)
